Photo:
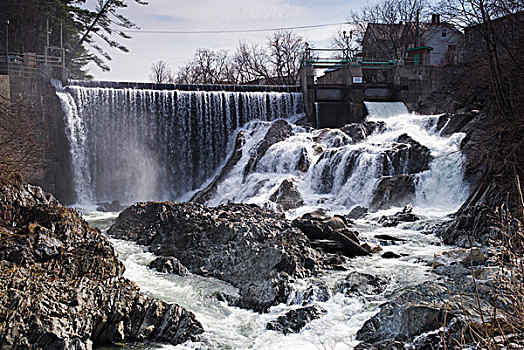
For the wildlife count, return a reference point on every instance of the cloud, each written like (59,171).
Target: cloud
(197,15)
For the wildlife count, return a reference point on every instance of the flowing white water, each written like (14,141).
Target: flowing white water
(138,144)
(341,175)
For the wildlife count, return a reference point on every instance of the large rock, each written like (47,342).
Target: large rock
(279,131)
(287,195)
(412,312)
(407,156)
(169,264)
(210,190)
(405,215)
(393,191)
(358,132)
(254,249)
(330,234)
(294,320)
(61,283)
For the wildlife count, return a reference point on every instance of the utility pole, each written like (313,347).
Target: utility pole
(7,41)
(417,34)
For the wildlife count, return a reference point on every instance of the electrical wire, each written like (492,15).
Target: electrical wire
(232,30)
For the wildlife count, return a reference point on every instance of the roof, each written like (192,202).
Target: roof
(429,48)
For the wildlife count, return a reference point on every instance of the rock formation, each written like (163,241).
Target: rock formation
(61,283)
(254,249)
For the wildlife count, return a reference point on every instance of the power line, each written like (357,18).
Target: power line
(232,30)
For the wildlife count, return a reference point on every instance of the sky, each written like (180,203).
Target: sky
(202,15)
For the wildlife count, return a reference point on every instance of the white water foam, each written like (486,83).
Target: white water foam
(341,175)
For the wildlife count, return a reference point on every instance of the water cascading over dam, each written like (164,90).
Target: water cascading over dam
(139,144)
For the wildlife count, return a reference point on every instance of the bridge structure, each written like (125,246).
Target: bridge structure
(337,97)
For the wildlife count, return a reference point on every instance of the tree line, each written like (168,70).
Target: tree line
(277,62)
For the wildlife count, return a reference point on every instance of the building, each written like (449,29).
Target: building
(509,35)
(441,43)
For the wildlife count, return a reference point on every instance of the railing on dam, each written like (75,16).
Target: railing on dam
(186,87)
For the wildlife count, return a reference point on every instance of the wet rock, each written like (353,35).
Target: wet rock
(287,195)
(410,313)
(294,320)
(113,206)
(407,156)
(317,292)
(358,132)
(393,191)
(383,237)
(55,267)
(390,255)
(357,283)
(406,215)
(387,344)
(254,249)
(450,123)
(279,131)
(330,234)
(357,213)
(466,257)
(210,190)
(303,162)
(169,264)
(472,224)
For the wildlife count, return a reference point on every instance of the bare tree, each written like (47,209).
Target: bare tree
(386,29)
(207,67)
(285,53)
(160,73)
(251,63)
(503,49)
(22,151)
(276,63)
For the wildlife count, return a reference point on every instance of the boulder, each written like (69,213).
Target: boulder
(393,191)
(113,206)
(287,195)
(169,264)
(294,320)
(358,283)
(357,213)
(63,283)
(407,156)
(450,123)
(279,131)
(210,190)
(390,255)
(254,249)
(410,313)
(406,215)
(330,234)
(358,132)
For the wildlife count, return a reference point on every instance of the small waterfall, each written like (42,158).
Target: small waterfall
(138,144)
(342,172)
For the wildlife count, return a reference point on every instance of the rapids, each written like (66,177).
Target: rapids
(439,191)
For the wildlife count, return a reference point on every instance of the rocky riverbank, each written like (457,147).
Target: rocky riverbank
(61,283)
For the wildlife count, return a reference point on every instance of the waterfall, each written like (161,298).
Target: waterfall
(345,166)
(138,144)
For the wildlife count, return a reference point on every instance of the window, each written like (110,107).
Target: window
(444,33)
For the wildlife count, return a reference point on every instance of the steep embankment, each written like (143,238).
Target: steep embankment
(493,151)
(61,284)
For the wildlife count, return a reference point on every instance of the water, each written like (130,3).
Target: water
(341,176)
(133,145)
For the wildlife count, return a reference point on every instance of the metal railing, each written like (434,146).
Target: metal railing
(30,64)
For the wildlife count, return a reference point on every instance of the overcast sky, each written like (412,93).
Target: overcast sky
(201,15)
